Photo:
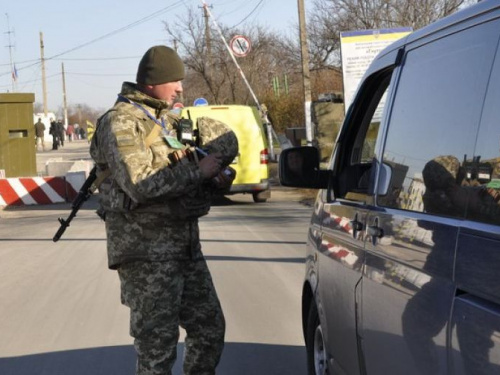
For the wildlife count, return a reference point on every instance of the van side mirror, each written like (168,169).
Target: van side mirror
(299,167)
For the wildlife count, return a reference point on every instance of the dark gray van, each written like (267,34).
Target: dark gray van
(403,250)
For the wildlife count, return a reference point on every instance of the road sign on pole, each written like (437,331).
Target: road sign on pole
(200,101)
(240,45)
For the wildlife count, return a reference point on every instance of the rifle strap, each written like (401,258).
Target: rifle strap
(155,132)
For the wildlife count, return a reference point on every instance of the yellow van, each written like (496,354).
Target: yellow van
(251,164)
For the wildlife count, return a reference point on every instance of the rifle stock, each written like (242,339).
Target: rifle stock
(83,195)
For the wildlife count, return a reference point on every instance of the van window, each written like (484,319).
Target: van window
(360,142)
(482,169)
(434,121)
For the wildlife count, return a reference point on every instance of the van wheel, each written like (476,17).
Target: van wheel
(259,197)
(315,344)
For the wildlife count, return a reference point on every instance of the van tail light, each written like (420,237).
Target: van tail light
(264,157)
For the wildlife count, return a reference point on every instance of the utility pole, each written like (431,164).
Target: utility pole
(208,41)
(9,46)
(44,83)
(305,71)
(65,107)
(80,115)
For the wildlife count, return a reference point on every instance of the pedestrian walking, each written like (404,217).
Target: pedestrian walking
(54,132)
(155,192)
(61,132)
(40,134)
(70,131)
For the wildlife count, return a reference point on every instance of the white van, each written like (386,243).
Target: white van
(251,163)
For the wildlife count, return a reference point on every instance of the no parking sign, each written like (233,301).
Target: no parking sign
(240,45)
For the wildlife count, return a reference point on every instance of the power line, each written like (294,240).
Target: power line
(99,58)
(98,74)
(20,62)
(34,80)
(124,28)
(249,14)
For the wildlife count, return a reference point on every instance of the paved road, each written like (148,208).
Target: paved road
(60,311)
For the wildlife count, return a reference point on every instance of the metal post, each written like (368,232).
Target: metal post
(305,71)
(64,97)
(44,83)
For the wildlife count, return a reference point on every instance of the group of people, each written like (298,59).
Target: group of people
(58,133)
(75,132)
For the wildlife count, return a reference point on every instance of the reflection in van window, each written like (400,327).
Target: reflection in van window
(355,175)
(484,170)
(368,151)
(433,127)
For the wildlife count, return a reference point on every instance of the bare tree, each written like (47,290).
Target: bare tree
(80,113)
(330,17)
(214,74)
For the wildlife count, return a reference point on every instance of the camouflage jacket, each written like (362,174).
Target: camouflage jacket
(152,204)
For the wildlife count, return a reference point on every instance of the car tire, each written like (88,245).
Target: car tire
(315,344)
(259,197)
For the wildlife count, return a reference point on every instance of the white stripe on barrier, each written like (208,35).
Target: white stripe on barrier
(21,191)
(48,190)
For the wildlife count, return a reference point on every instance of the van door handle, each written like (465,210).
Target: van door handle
(356,226)
(374,231)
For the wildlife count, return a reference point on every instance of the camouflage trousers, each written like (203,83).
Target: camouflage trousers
(163,296)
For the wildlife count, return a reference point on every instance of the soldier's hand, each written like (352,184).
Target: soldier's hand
(210,165)
(224,178)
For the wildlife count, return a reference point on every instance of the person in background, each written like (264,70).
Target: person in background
(39,134)
(70,131)
(61,132)
(54,132)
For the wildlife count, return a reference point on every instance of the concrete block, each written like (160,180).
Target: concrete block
(75,181)
(58,167)
(82,166)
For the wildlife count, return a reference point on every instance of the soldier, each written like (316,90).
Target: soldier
(40,133)
(155,192)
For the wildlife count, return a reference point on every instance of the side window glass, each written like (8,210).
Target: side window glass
(355,173)
(368,151)
(434,122)
(482,169)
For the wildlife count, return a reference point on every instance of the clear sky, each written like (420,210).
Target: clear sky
(101,42)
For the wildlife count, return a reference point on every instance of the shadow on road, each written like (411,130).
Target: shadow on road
(238,358)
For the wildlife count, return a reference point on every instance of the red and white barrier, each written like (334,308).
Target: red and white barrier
(35,190)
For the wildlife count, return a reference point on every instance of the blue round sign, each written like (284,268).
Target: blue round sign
(200,101)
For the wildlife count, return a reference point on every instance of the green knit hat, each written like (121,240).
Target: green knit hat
(160,64)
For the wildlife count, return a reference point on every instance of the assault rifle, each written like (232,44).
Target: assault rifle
(83,195)
(186,135)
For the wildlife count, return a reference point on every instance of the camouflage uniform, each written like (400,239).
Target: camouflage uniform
(152,203)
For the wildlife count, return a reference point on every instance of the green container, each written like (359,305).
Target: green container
(17,135)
